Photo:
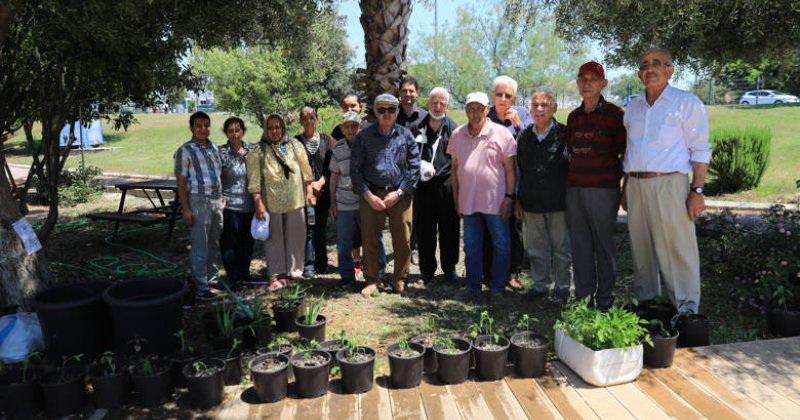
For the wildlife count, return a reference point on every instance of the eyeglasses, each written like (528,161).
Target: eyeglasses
(644,65)
(504,95)
(390,110)
(535,105)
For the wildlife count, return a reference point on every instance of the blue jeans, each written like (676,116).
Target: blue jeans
(500,236)
(236,245)
(204,237)
(347,226)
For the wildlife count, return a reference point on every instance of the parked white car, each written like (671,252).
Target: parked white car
(764,97)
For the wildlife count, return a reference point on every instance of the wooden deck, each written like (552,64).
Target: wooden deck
(759,379)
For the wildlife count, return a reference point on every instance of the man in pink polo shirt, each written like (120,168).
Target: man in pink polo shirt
(483,184)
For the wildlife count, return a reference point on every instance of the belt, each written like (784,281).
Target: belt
(646,175)
(387,188)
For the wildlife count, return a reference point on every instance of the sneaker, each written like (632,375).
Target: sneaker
(277,284)
(205,295)
(467,295)
(370,291)
(425,278)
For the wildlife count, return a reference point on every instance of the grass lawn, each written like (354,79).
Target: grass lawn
(147,148)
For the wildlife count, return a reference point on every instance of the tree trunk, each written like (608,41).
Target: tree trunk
(385,25)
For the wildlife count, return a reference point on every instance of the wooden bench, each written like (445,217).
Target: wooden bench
(159,212)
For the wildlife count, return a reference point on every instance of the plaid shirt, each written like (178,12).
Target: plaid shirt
(201,165)
(596,143)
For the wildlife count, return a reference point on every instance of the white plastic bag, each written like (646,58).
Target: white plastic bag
(20,335)
(260,228)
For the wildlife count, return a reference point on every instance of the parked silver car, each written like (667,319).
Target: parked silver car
(763,97)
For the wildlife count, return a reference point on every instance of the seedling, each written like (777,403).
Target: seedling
(524,323)
(147,367)
(107,360)
(429,323)
(403,346)
(137,343)
(236,343)
(313,309)
(484,325)
(307,357)
(444,343)
(181,335)
(199,367)
(64,361)
(354,351)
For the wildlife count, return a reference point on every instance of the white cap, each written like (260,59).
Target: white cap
(478,97)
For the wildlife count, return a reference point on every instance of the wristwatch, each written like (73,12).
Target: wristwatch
(511,196)
(400,193)
(697,190)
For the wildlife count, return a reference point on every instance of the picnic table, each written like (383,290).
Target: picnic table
(160,211)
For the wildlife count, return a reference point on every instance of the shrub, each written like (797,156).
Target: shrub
(740,159)
(74,187)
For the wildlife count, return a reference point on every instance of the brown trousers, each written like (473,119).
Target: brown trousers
(372,223)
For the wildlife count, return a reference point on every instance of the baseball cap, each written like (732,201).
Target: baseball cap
(386,98)
(593,67)
(478,97)
(351,116)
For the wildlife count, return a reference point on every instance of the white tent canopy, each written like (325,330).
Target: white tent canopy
(90,136)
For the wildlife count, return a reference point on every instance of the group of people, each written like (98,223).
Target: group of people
(524,184)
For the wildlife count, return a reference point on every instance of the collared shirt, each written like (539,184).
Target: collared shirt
(234,178)
(442,161)
(481,170)
(540,137)
(525,119)
(596,143)
(346,198)
(200,165)
(378,160)
(667,136)
(412,120)
(265,175)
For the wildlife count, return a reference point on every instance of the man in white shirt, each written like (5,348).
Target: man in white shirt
(667,139)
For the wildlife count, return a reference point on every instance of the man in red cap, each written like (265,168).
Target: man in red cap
(596,143)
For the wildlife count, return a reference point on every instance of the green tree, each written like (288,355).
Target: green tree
(626,84)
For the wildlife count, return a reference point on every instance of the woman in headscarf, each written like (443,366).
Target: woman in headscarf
(279,178)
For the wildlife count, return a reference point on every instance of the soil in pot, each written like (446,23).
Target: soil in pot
(453,361)
(21,400)
(270,376)
(530,354)
(693,331)
(357,365)
(312,331)
(111,389)
(405,365)
(332,347)
(311,372)
(232,374)
(178,361)
(204,379)
(491,357)
(152,382)
(662,352)
(64,392)
(784,322)
(286,312)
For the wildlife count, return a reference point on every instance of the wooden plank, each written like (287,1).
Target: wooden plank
(406,403)
(568,403)
(637,402)
(602,402)
(470,403)
(231,401)
(375,403)
(341,405)
(436,399)
(311,408)
(706,404)
(501,401)
(669,402)
(532,398)
(715,386)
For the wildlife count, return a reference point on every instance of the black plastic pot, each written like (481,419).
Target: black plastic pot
(429,363)
(177,362)
(232,374)
(74,319)
(529,361)
(332,347)
(285,317)
(785,322)
(693,331)
(110,391)
(662,352)
(258,334)
(406,372)
(285,349)
(490,365)
(454,367)
(357,377)
(20,400)
(314,331)
(148,308)
(152,390)
(206,389)
(660,311)
(310,381)
(270,385)
(222,342)
(62,398)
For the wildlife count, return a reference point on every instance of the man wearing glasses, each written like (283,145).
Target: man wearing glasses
(384,169)
(667,139)
(596,143)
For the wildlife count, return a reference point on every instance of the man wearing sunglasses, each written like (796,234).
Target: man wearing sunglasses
(667,139)
(384,169)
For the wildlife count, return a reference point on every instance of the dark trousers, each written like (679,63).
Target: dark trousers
(435,212)
(236,245)
(517,250)
(316,257)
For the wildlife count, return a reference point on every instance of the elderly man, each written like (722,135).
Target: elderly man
(384,168)
(411,115)
(482,171)
(434,209)
(667,139)
(350,103)
(596,143)
(543,163)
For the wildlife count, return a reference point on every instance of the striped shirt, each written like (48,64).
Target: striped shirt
(346,198)
(596,143)
(201,165)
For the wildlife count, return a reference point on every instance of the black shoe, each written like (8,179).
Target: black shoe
(308,274)
(205,295)
(451,276)
(425,278)
(345,284)
(324,270)
(535,295)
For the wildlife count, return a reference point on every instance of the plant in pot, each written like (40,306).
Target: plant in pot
(453,358)
(110,381)
(661,352)
(181,358)
(64,389)
(280,345)
(426,340)
(659,308)
(151,376)
(270,375)
(357,364)
(406,360)
(311,324)
(21,395)
(232,374)
(259,329)
(783,318)
(333,347)
(225,317)
(311,372)
(491,349)
(205,382)
(529,349)
(287,308)
(603,348)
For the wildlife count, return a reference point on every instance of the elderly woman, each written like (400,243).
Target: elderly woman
(279,178)
(318,149)
(236,243)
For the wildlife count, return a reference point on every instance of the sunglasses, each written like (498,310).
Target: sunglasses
(390,110)
(644,65)
(504,95)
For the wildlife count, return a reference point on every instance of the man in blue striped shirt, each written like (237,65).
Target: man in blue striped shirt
(197,168)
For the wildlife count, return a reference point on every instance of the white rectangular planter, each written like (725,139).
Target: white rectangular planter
(602,367)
